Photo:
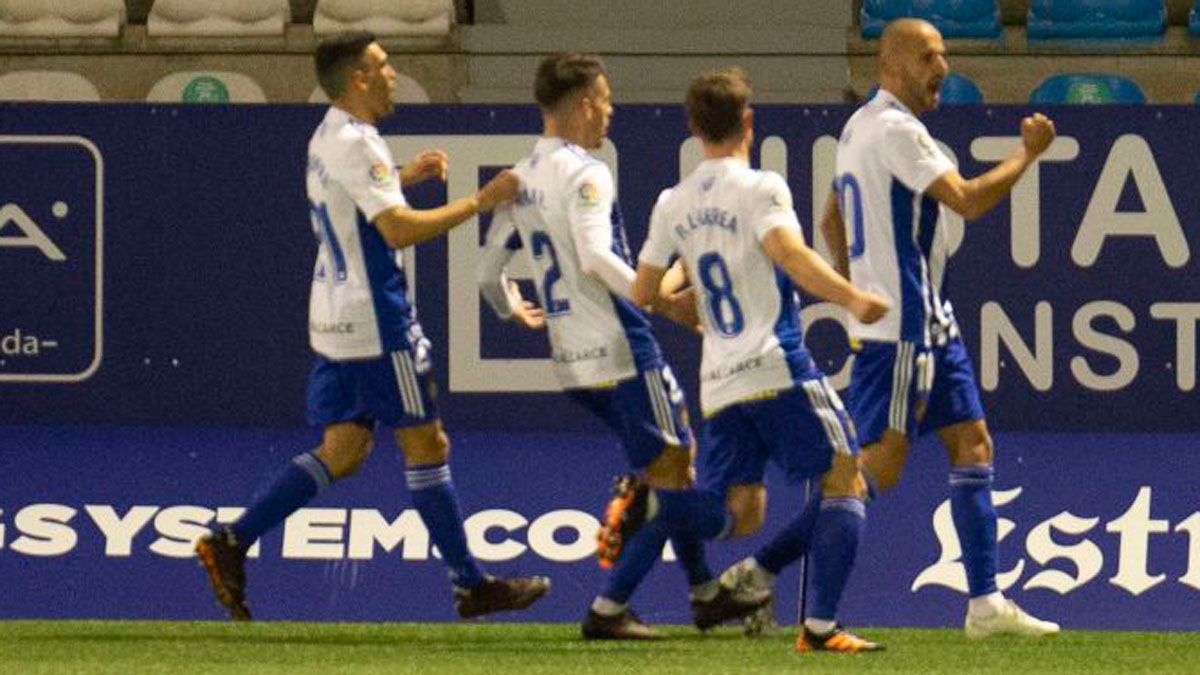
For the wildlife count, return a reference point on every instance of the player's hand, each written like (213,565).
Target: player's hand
(525,312)
(679,308)
(500,189)
(425,165)
(1037,132)
(869,307)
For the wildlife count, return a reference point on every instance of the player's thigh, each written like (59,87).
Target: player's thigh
(649,415)
(888,390)
(954,397)
(884,459)
(731,453)
(805,428)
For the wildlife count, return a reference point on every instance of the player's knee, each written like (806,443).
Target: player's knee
(979,451)
(344,459)
(424,446)
(884,460)
(844,478)
(672,470)
(748,507)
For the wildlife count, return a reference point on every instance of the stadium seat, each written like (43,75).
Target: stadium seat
(408,90)
(46,85)
(1049,19)
(1194,19)
(206,87)
(1087,88)
(404,18)
(957,89)
(954,18)
(218,17)
(58,19)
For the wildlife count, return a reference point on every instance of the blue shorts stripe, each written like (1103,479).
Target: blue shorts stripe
(827,415)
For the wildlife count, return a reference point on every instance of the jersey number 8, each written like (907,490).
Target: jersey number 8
(723,307)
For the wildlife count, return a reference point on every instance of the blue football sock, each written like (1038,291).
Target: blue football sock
(975,521)
(792,541)
(699,513)
(434,498)
(637,559)
(838,528)
(304,477)
(690,552)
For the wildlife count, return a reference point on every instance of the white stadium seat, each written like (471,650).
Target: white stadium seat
(218,17)
(206,87)
(408,90)
(405,18)
(60,18)
(46,85)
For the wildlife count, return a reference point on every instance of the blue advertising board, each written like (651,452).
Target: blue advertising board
(153,358)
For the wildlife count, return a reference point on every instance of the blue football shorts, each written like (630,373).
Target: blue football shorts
(647,412)
(912,389)
(799,429)
(396,389)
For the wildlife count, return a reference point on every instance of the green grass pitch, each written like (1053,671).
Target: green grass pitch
(227,648)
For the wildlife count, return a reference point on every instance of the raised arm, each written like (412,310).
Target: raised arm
(403,226)
(974,197)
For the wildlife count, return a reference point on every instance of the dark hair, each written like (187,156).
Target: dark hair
(335,58)
(716,102)
(561,75)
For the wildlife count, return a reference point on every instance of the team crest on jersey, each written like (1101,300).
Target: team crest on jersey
(926,144)
(781,199)
(589,194)
(381,173)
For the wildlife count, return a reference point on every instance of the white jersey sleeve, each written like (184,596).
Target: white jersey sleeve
(502,242)
(589,210)
(660,245)
(912,156)
(369,176)
(771,206)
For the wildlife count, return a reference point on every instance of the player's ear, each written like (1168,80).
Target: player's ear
(748,123)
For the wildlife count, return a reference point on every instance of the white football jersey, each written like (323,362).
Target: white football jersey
(897,243)
(359,305)
(596,336)
(715,220)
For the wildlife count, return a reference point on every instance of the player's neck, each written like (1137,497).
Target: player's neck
(555,128)
(893,90)
(739,149)
(356,111)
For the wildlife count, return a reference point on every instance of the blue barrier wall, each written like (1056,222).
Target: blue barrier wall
(153,359)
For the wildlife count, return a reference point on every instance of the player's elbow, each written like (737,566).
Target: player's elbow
(589,262)
(391,226)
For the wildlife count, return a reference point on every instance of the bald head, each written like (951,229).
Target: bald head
(903,38)
(912,62)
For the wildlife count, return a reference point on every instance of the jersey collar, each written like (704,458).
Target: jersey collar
(883,97)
